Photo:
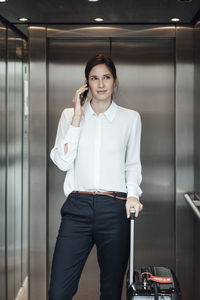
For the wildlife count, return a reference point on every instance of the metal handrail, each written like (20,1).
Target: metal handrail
(194,204)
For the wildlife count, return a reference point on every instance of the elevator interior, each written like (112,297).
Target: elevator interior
(150,63)
(133,61)
(158,71)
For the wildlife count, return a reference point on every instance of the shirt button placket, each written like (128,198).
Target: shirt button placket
(97,148)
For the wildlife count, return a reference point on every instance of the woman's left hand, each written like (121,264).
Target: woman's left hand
(135,203)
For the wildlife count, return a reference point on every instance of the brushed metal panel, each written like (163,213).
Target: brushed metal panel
(11,165)
(37,163)
(146,84)
(184,157)
(197,107)
(3,161)
(84,31)
(14,162)
(66,63)
(197,157)
(18,111)
(25,147)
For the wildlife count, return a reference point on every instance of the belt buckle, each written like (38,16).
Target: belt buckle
(114,193)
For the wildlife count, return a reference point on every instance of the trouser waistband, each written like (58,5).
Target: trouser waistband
(111,194)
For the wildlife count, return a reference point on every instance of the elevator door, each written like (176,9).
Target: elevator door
(145,70)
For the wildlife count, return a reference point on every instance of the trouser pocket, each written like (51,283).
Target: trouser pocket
(65,205)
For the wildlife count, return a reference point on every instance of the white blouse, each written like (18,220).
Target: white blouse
(103,152)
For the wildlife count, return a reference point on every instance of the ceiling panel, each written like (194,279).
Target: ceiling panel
(112,11)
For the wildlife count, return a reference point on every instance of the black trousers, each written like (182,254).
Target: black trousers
(87,220)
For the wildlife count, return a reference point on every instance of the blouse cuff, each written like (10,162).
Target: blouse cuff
(72,138)
(134,192)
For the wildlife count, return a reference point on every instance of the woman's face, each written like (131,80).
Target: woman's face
(101,83)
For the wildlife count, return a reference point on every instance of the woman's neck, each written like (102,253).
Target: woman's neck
(100,106)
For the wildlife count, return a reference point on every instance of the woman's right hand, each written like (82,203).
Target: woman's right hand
(78,108)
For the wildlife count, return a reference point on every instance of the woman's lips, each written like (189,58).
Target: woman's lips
(101,92)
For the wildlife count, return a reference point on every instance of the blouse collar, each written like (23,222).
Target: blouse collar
(109,113)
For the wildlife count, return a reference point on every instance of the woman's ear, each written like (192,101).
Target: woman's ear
(115,82)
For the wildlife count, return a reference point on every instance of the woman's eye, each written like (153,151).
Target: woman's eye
(105,77)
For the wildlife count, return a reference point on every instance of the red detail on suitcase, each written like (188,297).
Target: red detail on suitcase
(161,279)
(157,278)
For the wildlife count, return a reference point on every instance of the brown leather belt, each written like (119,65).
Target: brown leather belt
(111,194)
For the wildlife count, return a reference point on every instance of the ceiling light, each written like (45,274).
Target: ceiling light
(175,19)
(3,0)
(23,19)
(93,0)
(98,19)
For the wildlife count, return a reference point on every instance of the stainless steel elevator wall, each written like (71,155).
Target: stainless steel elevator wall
(2,160)
(197,157)
(146,83)
(14,165)
(146,77)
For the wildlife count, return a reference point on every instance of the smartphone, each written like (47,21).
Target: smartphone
(83,96)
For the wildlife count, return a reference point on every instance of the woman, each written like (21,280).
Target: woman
(98,145)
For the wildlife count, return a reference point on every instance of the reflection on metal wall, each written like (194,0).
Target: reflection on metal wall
(12,197)
(25,164)
(2,160)
(11,164)
(197,157)
(37,164)
(146,84)
(184,158)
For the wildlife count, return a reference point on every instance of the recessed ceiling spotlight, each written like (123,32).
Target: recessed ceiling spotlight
(93,0)
(98,19)
(23,19)
(175,19)
(3,0)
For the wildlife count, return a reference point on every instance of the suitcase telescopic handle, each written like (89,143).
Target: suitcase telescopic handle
(131,260)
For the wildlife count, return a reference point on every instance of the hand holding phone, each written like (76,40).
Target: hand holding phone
(83,96)
(80,99)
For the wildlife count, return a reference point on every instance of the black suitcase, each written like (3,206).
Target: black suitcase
(149,283)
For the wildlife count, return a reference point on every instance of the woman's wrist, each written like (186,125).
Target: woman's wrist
(76,119)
